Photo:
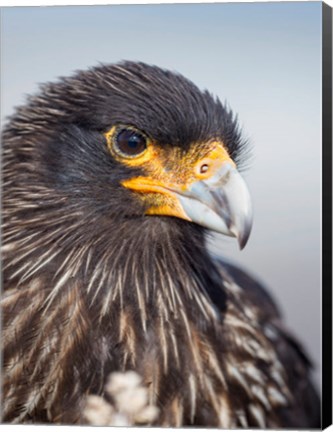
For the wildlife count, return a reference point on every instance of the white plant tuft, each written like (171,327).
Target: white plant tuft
(130,403)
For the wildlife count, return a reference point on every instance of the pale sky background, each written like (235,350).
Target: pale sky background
(265,60)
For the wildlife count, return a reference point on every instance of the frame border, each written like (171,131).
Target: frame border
(326,215)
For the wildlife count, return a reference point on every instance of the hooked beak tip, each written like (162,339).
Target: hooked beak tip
(243,235)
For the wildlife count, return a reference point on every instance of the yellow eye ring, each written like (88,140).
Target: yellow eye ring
(126,142)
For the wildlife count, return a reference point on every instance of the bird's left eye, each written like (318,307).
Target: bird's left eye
(129,143)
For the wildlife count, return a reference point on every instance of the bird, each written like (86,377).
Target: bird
(113,178)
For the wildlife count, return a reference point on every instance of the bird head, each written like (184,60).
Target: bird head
(136,141)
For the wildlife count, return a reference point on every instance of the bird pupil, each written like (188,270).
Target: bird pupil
(133,142)
(130,143)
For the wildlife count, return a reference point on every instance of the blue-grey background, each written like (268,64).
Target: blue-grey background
(265,60)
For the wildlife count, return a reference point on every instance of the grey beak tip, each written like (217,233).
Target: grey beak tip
(242,243)
(243,237)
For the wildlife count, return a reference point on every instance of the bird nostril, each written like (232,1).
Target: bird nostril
(204,168)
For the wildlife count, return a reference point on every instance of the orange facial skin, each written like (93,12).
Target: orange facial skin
(170,170)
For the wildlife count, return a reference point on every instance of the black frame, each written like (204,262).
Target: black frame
(327,215)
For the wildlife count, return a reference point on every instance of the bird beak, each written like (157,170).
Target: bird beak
(217,199)
(221,203)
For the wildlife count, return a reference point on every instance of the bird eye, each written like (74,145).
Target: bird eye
(130,143)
